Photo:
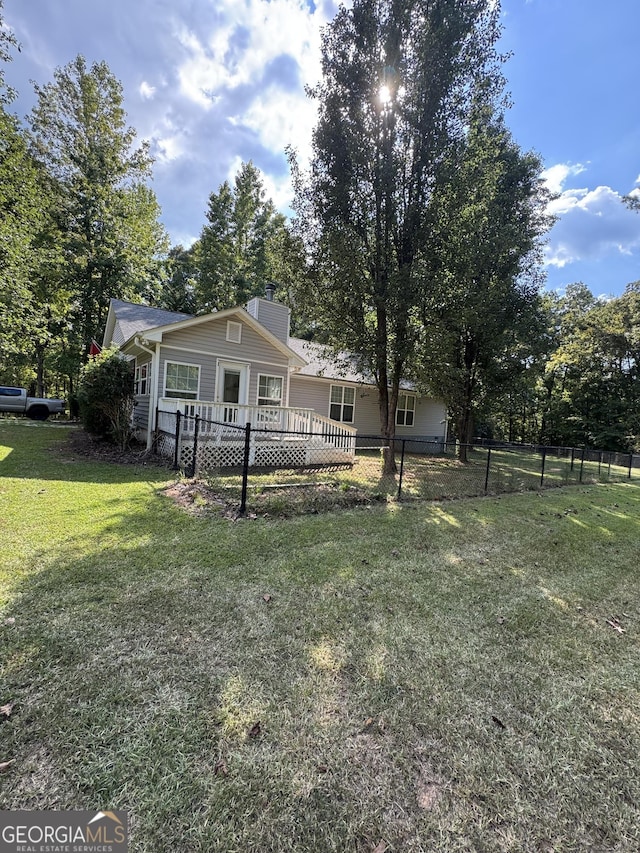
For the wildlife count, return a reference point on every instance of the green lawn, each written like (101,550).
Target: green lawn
(426,677)
(437,477)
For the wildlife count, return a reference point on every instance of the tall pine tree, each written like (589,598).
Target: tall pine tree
(108,216)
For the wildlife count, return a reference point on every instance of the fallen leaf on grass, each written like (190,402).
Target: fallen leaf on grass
(255,730)
(322,768)
(4,765)
(380,847)
(615,625)
(266,597)
(10,621)
(5,710)
(368,723)
(221,768)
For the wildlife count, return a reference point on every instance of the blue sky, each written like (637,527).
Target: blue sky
(214,82)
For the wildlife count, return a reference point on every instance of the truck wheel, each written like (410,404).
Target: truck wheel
(38,413)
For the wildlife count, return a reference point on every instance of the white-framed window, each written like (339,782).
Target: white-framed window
(181,380)
(343,401)
(269,390)
(142,381)
(406,411)
(234,332)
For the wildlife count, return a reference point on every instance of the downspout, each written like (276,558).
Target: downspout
(154,390)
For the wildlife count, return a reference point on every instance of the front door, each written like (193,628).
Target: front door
(232,390)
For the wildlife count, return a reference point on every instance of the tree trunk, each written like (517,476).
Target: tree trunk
(40,371)
(465,419)
(387,430)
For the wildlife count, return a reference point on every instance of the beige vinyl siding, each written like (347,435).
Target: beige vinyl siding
(117,338)
(204,345)
(141,413)
(273,316)
(312,393)
(141,401)
(428,421)
(308,393)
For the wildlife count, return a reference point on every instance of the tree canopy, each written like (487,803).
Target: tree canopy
(394,102)
(244,244)
(481,307)
(107,215)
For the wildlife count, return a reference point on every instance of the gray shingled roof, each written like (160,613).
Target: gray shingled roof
(132,318)
(322,362)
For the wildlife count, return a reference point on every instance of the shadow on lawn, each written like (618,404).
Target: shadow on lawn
(140,669)
(41,451)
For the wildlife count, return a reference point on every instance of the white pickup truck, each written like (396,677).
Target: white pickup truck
(15,400)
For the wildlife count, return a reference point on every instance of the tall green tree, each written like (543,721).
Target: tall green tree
(20,213)
(108,216)
(396,76)
(29,257)
(244,244)
(178,285)
(592,378)
(481,309)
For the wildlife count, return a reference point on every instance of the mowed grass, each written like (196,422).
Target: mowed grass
(400,677)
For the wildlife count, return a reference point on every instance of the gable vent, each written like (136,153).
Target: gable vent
(234,332)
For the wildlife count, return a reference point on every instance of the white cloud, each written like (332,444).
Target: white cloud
(592,224)
(282,118)
(146,90)
(555,177)
(244,40)
(170,148)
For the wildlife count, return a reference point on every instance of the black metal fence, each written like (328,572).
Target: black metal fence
(253,464)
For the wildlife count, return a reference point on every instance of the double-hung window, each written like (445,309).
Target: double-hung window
(269,390)
(343,400)
(270,396)
(181,380)
(142,385)
(406,411)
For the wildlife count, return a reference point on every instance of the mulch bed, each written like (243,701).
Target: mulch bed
(83,444)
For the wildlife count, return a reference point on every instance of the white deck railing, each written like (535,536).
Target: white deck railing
(280,419)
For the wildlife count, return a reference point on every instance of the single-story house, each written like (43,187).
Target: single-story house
(240,365)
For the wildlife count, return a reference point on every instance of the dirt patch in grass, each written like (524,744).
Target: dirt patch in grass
(208,496)
(200,498)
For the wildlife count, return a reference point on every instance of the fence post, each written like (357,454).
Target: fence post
(582,464)
(630,463)
(544,459)
(176,449)
(196,429)
(599,463)
(573,451)
(245,468)
(486,476)
(401,469)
